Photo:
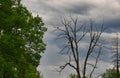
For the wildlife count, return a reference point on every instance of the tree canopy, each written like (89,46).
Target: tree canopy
(21,40)
(110,73)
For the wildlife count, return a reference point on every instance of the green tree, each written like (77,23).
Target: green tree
(72,76)
(110,73)
(21,40)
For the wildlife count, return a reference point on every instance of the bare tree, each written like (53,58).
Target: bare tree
(74,33)
(116,53)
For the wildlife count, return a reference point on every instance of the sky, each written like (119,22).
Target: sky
(53,11)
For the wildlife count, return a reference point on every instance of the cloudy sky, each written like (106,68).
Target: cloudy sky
(52,11)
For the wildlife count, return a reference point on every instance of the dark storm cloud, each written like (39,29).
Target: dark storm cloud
(66,7)
(52,11)
(81,8)
(113,24)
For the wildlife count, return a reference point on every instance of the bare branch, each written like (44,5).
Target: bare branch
(63,67)
(66,46)
(82,37)
(67,64)
(58,28)
(96,61)
(74,35)
(93,43)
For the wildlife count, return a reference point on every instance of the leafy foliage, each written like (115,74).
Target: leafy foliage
(72,76)
(21,40)
(110,73)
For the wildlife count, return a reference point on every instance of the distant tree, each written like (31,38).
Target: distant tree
(116,53)
(73,33)
(110,73)
(72,76)
(21,40)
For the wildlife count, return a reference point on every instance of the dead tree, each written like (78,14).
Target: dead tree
(74,33)
(116,54)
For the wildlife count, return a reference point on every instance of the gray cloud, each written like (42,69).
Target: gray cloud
(114,24)
(80,8)
(52,10)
